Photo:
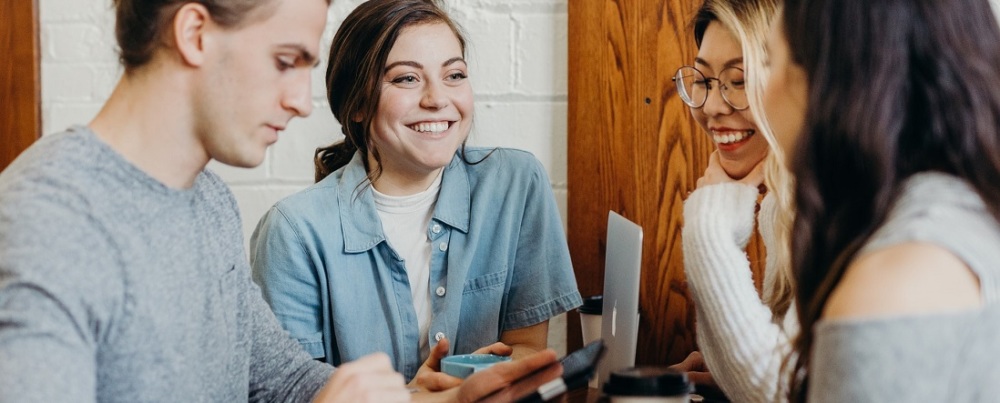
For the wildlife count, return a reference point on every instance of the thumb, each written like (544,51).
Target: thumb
(498,348)
(439,351)
(713,158)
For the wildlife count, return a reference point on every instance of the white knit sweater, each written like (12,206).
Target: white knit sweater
(738,335)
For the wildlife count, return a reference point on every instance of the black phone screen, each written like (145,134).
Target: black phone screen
(581,364)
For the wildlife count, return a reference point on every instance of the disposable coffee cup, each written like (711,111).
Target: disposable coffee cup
(590,323)
(648,385)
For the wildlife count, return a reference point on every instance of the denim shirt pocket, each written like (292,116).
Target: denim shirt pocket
(482,301)
(486,282)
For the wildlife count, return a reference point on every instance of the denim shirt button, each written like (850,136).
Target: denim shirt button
(436,228)
(438,336)
(440,291)
(443,246)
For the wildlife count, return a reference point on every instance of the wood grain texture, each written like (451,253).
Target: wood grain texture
(20,88)
(634,148)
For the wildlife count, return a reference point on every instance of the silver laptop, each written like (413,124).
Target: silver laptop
(620,316)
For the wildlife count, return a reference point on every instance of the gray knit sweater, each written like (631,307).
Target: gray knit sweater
(921,358)
(115,288)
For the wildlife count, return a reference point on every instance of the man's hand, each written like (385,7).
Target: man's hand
(368,379)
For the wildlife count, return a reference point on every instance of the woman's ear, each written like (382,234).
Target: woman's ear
(189,24)
(357,117)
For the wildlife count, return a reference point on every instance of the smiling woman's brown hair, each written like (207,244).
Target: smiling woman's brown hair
(895,87)
(356,68)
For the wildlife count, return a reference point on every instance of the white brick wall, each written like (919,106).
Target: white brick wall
(517,55)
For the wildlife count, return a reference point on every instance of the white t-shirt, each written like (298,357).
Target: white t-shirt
(405,220)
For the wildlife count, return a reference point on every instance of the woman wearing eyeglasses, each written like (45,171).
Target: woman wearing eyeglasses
(743,336)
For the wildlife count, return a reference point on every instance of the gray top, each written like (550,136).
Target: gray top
(926,358)
(115,288)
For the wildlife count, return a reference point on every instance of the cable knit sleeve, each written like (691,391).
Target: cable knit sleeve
(742,345)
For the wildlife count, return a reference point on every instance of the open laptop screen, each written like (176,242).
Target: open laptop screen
(620,316)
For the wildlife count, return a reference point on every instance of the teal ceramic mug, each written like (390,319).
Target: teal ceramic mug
(463,365)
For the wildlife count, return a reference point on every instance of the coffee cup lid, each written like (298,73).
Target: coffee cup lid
(647,381)
(592,305)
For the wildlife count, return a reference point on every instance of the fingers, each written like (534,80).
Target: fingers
(714,173)
(697,371)
(526,385)
(429,376)
(683,366)
(693,362)
(368,379)
(756,176)
(435,381)
(439,351)
(697,361)
(495,378)
(514,370)
(497,348)
(713,159)
(701,378)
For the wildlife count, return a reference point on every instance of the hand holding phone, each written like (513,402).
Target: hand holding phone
(506,381)
(578,368)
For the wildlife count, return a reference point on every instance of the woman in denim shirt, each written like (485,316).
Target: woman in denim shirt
(409,237)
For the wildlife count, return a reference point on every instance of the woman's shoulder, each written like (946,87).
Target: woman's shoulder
(507,155)
(931,195)
(936,215)
(491,160)
(912,278)
(315,201)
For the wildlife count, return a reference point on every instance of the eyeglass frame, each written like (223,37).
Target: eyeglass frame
(708,84)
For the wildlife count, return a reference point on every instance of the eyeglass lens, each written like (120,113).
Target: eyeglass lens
(693,87)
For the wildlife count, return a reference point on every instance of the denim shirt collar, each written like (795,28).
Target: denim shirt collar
(361,226)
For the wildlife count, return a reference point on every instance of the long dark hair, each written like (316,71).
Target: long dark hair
(896,87)
(354,74)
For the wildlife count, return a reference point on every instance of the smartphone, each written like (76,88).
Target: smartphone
(578,368)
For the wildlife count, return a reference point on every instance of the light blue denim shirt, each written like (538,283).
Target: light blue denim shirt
(499,261)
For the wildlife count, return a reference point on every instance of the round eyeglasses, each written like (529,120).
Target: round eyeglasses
(693,87)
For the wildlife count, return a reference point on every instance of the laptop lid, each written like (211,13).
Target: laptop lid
(620,316)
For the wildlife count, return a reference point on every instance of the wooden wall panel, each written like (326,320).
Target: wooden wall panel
(20,102)
(633,148)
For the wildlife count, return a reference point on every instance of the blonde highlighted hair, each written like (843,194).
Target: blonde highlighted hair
(750,21)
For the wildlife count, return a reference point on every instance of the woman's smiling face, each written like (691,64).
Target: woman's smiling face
(426,107)
(733,131)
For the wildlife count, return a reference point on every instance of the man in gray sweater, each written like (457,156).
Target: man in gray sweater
(122,270)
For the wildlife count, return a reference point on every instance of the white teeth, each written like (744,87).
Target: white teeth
(731,137)
(435,127)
